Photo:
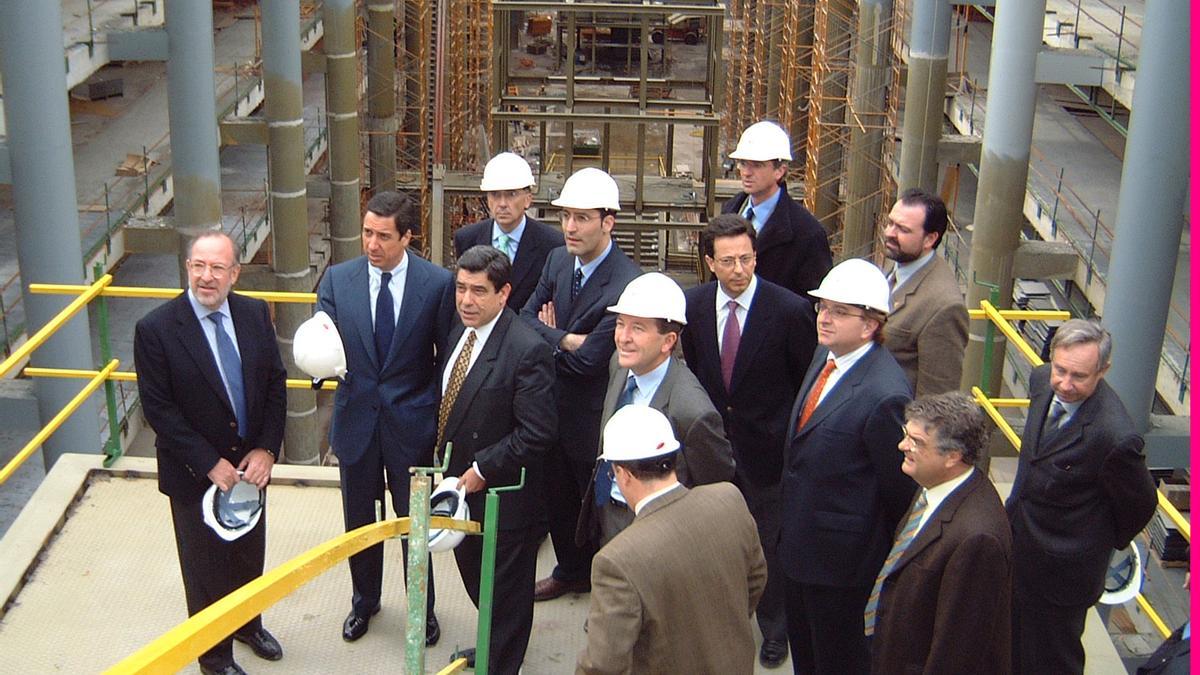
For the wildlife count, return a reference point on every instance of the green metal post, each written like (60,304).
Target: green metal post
(487,573)
(112,447)
(417,569)
(989,337)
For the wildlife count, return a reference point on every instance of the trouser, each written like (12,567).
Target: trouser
(512,593)
(213,568)
(566,483)
(1047,639)
(825,628)
(763,503)
(362,504)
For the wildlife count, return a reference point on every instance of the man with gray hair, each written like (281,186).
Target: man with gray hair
(927,608)
(1082,489)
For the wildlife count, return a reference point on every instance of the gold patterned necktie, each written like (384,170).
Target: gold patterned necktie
(457,374)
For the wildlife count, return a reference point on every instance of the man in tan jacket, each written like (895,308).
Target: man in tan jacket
(674,591)
(927,328)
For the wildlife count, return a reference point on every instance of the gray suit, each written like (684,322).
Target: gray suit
(704,453)
(927,329)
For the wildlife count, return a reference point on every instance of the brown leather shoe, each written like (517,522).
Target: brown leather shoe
(551,588)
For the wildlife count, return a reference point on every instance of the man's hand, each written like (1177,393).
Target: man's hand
(546,315)
(256,467)
(471,481)
(223,474)
(571,341)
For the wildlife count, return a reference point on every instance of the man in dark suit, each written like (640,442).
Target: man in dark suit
(793,247)
(1082,489)
(568,310)
(927,329)
(752,367)
(673,592)
(650,316)
(508,184)
(498,412)
(213,389)
(942,601)
(393,311)
(843,491)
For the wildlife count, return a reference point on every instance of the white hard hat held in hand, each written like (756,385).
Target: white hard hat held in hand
(317,348)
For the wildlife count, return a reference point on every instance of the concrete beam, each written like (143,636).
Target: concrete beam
(1036,259)
(959,149)
(1069,66)
(243,131)
(1168,441)
(146,44)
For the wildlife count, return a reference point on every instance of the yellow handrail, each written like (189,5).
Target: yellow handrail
(1011,333)
(130,376)
(165,293)
(86,293)
(456,666)
(185,642)
(1023,314)
(45,432)
(990,408)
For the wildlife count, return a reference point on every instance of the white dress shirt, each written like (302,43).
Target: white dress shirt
(937,494)
(743,309)
(396,286)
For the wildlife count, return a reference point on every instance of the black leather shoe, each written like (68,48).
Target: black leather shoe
(356,625)
(263,644)
(231,669)
(468,654)
(433,631)
(773,653)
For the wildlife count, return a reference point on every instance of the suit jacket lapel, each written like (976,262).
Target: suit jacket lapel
(195,344)
(753,334)
(522,264)
(1067,436)
(843,389)
(360,312)
(248,344)
(414,298)
(662,395)
(705,327)
(563,307)
(478,374)
(932,531)
(775,232)
(616,384)
(901,294)
(593,288)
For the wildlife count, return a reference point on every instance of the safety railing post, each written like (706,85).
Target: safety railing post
(1054,211)
(417,568)
(487,573)
(1091,262)
(112,446)
(989,336)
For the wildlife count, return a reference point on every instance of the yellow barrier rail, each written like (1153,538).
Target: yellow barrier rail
(456,666)
(86,293)
(1011,333)
(176,648)
(1023,314)
(131,376)
(57,421)
(163,293)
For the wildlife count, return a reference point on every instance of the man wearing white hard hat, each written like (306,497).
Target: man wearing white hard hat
(843,491)
(674,591)
(508,186)
(497,410)
(650,316)
(930,604)
(569,309)
(213,388)
(793,247)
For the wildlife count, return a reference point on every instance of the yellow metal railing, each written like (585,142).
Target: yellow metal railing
(991,406)
(187,641)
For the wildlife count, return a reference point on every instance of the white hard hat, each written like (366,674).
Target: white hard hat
(763,141)
(856,282)
(1124,579)
(638,432)
(590,188)
(450,502)
(234,512)
(317,348)
(653,295)
(506,171)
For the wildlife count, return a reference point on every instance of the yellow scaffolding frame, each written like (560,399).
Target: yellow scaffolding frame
(987,311)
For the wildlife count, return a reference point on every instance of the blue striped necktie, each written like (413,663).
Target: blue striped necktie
(231,366)
(906,536)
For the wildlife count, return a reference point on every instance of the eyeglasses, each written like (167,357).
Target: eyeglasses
(730,261)
(217,269)
(838,311)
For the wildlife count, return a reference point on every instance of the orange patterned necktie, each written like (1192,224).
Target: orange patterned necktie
(815,395)
(457,375)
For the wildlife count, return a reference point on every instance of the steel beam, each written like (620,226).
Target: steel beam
(43,194)
(289,210)
(1151,208)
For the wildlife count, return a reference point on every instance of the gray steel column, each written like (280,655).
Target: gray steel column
(341,101)
(869,100)
(192,113)
(289,210)
(1150,209)
(43,193)
(925,94)
(1003,171)
(381,92)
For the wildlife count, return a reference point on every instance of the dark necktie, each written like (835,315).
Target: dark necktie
(576,283)
(1054,419)
(731,338)
(385,321)
(750,214)
(604,479)
(231,366)
(906,536)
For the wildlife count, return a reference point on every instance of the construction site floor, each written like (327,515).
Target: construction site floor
(91,574)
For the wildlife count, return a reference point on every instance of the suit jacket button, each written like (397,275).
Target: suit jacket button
(728,408)
(233,448)
(474,436)
(233,425)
